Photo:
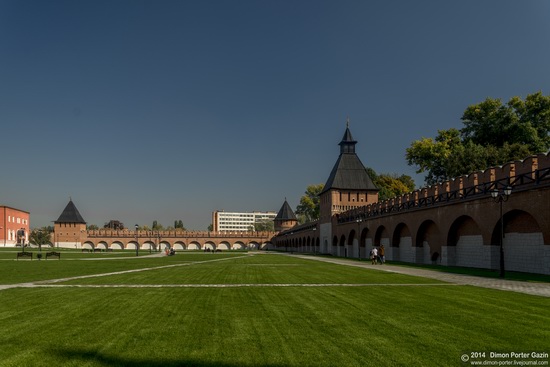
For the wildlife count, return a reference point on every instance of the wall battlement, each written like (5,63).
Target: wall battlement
(532,169)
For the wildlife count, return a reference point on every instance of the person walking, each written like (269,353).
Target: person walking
(374,255)
(381,254)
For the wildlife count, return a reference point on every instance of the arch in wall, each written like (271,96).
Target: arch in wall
(131,245)
(465,244)
(238,246)
(400,231)
(335,241)
(88,245)
(117,245)
(164,245)
(209,245)
(253,245)
(224,246)
(429,239)
(102,245)
(462,226)
(523,242)
(147,245)
(342,249)
(381,232)
(178,245)
(194,246)
(515,221)
(364,234)
(351,237)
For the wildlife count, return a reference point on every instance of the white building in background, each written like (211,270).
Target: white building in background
(238,222)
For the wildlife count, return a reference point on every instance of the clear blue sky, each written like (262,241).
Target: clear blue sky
(165,110)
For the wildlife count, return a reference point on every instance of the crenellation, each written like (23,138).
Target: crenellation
(543,160)
(457,184)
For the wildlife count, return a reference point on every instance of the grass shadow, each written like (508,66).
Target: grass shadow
(87,356)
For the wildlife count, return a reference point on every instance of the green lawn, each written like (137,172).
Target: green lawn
(384,320)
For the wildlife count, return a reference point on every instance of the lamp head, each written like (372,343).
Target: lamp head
(508,190)
(494,193)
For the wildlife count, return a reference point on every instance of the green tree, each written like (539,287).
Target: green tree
(41,236)
(178,225)
(266,225)
(114,224)
(92,227)
(308,209)
(157,226)
(493,134)
(391,184)
(210,228)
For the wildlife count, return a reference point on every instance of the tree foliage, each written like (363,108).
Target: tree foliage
(114,224)
(178,225)
(309,207)
(41,236)
(392,185)
(266,225)
(493,134)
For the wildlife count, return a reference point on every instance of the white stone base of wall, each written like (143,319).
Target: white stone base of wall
(526,252)
(73,245)
(406,253)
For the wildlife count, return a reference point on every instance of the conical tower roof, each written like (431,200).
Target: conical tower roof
(70,215)
(348,172)
(285,213)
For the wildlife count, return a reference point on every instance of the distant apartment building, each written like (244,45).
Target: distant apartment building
(12,220)
(239,222)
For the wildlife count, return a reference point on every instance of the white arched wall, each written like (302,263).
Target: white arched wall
(177,246)
(224,246)
(238,246)
(116,246)
(194,246)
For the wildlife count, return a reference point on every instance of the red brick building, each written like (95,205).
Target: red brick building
(12,220)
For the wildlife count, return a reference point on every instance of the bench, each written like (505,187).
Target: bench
(85,250)
(53,254)
(24,254)
(98,250)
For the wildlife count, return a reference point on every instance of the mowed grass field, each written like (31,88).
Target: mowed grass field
(238,309)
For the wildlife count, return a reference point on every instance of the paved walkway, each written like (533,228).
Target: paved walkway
(538,289)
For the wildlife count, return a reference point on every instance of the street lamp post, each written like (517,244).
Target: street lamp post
(137,242)
(314,242)
(500,197)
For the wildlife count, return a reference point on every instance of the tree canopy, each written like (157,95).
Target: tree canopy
(41,236)
(266,225)
(493,134)
(114,224)
(308,209)
(391,184)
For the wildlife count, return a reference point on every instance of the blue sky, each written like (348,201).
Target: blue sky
(165,110)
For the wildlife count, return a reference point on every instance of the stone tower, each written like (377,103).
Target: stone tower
(70,228)
(285,219)
(349,186)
